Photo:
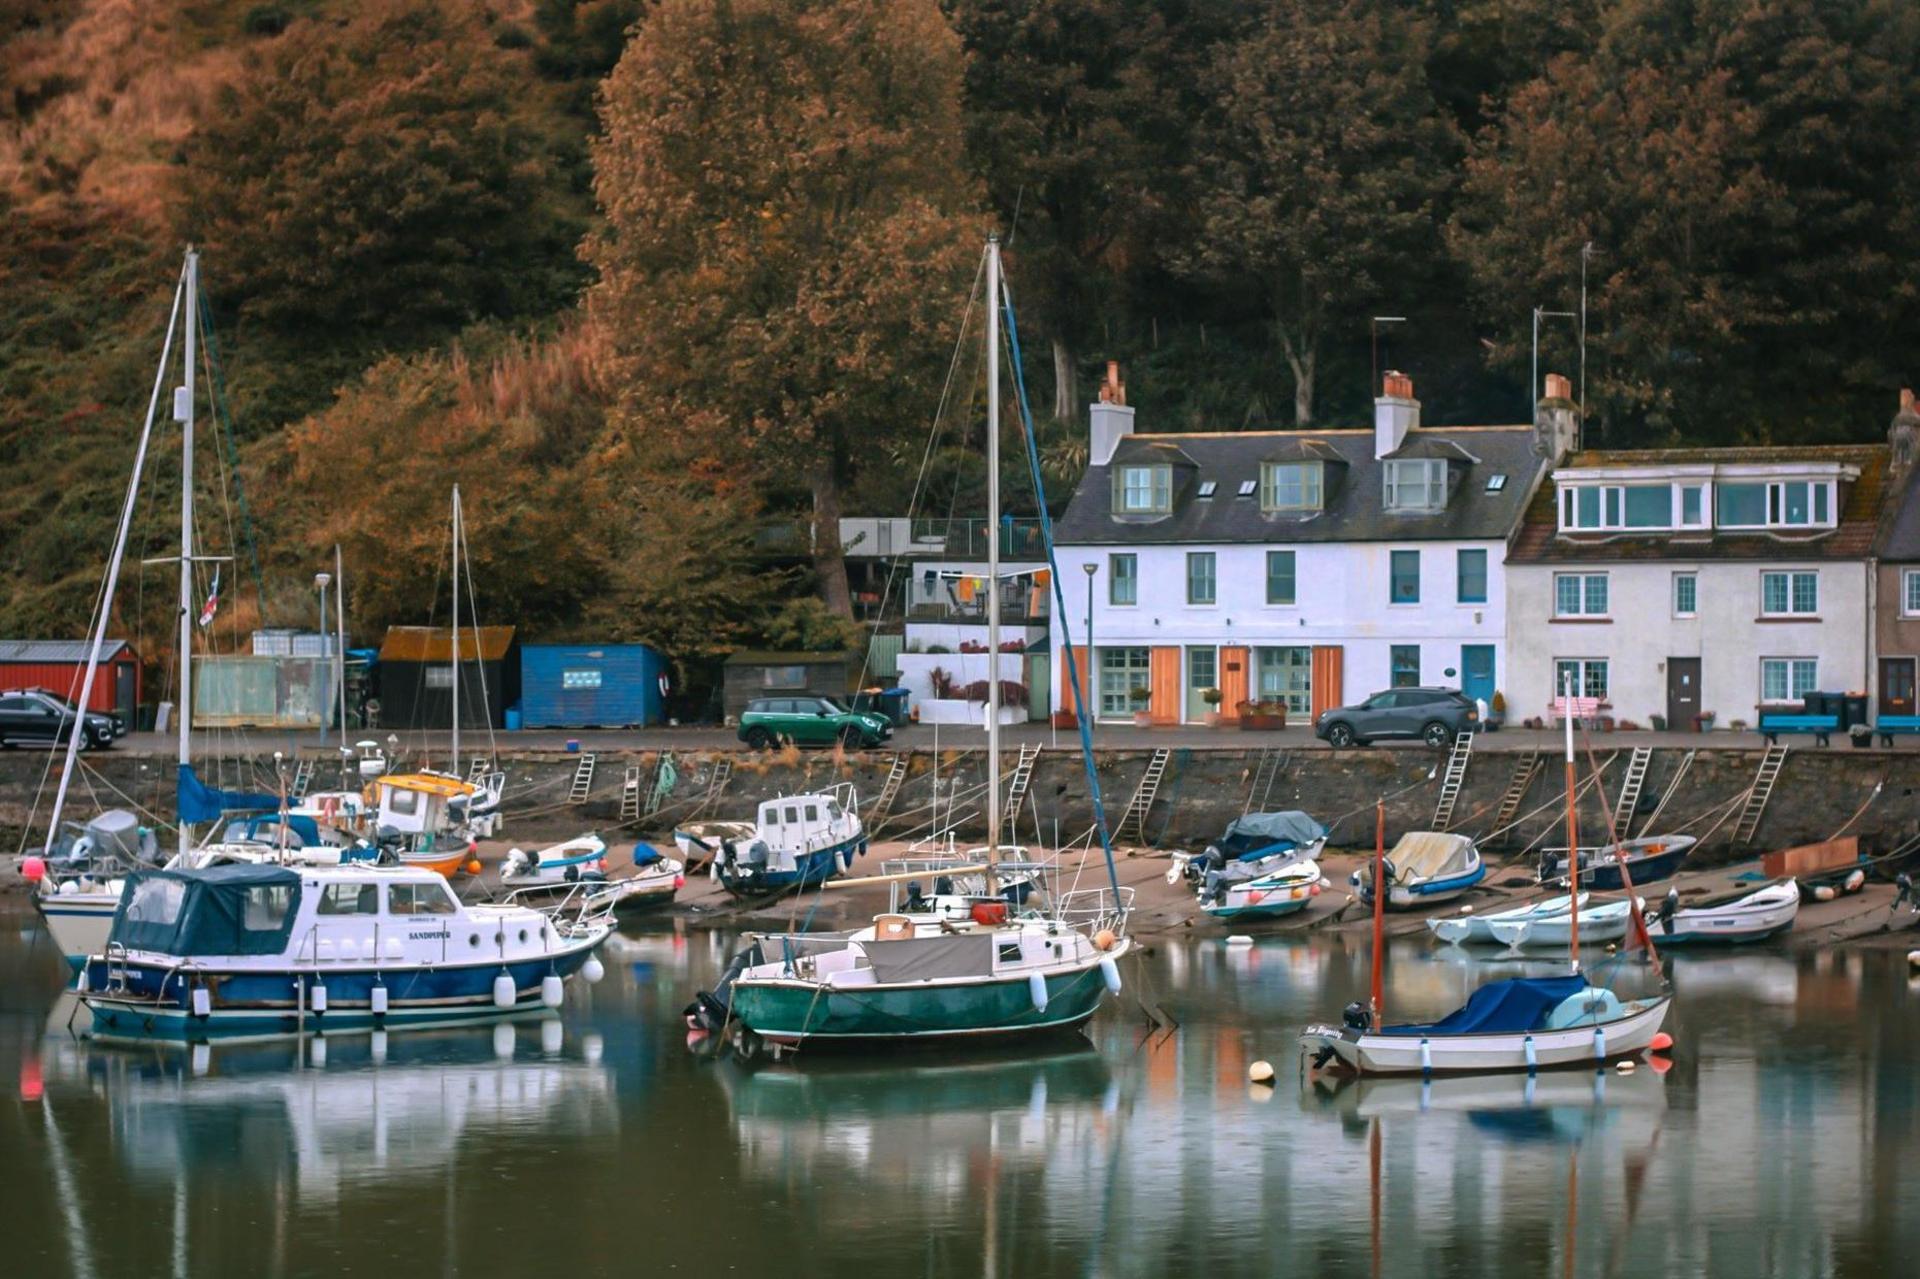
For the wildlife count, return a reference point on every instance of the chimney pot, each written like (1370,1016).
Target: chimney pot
(1397,385)
(1395,413)
(1558,387)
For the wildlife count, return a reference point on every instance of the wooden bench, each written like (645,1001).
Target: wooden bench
(1889,725)
(1773,726)
(1580,708)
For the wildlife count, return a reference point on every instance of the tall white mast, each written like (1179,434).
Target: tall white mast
(340,639)
(456,631)
(183,411)
(993,561)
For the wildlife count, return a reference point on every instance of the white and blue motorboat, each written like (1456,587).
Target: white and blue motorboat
(1252,845)
(547,874)
(798,841)
(1466,929)
(1424,868)
(269,950)
(1285,890)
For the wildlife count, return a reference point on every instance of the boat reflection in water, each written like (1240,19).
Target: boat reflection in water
(1550,1106)
(914,1139)
(318,1118)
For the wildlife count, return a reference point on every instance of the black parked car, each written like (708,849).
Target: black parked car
(1432,715)
(34,717)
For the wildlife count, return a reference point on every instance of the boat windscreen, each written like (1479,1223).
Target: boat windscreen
(221,910)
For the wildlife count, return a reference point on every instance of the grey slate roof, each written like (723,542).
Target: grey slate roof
(1353,511)
(56,650)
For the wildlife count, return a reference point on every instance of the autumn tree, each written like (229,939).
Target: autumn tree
(375,185)
(1324,163)
(787,240)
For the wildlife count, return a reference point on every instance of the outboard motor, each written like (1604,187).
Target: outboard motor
(709,1011)
(1213,889)
(1357,1016)
(1904,883)
(943,886)
(915,902)
(1669,905)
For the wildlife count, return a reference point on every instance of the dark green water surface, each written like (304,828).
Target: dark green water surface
(1784,1141)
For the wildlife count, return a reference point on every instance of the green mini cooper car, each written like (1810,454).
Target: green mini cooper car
(810,719)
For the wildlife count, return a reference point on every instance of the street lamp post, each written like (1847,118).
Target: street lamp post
(322,580)
(1087,686)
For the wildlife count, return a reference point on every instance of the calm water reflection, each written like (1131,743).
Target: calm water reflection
(1783,1142)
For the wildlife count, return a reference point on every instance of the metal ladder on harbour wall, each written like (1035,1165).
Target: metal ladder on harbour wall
(1451,780)
(630,794)
(1142,802)
(889,791)
(582,780)
(1272,762)
(716,784)
(1673,787)
(1516,793)
(302,779)
(1630,787)
(1018,784)
(1759,793)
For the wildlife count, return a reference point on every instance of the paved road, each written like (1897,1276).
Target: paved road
(927,737)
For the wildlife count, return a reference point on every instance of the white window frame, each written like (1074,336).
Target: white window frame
(1775,511)
(1397,484)
(1584,668)
(1910,592)
(1310,483)
(1293,598)
(1791,669)
(1794,578)
(1583,595)
(1115,577)
(1691,575)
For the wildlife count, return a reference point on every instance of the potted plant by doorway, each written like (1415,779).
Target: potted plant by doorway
(1861,735)
(1212,698)
(1264,714)
(1496,711)
(1140,695)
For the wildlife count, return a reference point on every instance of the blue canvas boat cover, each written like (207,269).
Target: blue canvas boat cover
(645,854)
(1274,828)
(1506,1007)
(195,801)
(242,909)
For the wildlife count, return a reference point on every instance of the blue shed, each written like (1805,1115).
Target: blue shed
(590,685)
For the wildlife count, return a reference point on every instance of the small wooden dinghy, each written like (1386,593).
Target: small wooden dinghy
(1465,930)
(1648,858)
(1748,915)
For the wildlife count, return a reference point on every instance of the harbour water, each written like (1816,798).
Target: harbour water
(1784,1141)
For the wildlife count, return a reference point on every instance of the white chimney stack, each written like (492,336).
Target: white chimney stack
(1394,414)
(1111,419)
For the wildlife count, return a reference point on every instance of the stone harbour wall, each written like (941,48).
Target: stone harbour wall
(1821,792)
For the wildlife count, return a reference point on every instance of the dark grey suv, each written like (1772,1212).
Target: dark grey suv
(1431,715)
(35,717)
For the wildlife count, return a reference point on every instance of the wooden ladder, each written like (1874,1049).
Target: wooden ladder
(582,780)
(889,791)
(302,779)
(1758,794)
(1673,786)
(1451,780)
(630,794)
(1142,802)
(1516,794)
(1017,786)
(1630,788)
(1272,762)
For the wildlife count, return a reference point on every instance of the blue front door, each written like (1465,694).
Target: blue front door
(1476,671)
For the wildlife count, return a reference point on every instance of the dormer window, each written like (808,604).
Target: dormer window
(1416,484)
(1775,504)
(1292,486)
(1143,490)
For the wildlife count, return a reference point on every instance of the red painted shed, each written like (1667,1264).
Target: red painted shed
(60,666)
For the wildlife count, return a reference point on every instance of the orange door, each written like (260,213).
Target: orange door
(1163,679)
(1235,664)
(1066,702)
(1328,661)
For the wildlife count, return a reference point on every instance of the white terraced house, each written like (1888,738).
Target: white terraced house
(1303,568)
(1668,584)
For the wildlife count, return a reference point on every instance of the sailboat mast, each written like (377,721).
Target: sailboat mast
(455,770)
(1378,993)
(1573,828)
(993,561)
(340,639)
(183,410)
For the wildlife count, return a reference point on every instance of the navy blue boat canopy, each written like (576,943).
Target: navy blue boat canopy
(221,910)
(1511,1006)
